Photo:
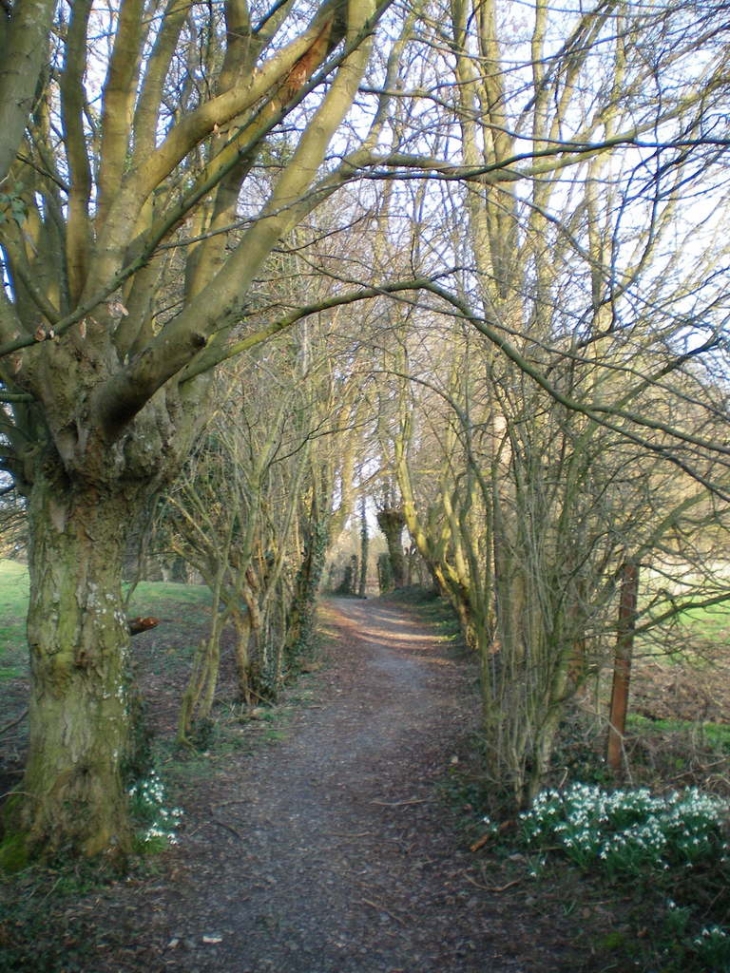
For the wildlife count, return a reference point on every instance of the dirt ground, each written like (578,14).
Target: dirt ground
(331,843)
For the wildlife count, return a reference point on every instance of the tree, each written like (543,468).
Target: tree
(132,276)
(253,509)
(531,463)
(574,280)
(233,513)
(392,522)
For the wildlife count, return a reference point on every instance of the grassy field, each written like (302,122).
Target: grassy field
(708,623)
(13,608)
(713,734)
(149,598)
(181,608)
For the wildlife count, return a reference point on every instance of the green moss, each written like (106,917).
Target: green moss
(613,941)
(13,854)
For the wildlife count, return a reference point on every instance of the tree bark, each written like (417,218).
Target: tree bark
(302,614)
(23,52)
(364,545)
(392,521)
(74,796)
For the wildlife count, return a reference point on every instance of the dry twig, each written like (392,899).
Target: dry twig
(493,888)
(381,908)
(9,726)
(414,800)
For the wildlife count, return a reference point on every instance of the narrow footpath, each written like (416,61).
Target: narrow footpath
(331,846)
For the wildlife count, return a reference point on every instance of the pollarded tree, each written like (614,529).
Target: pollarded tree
(253,509)
(392,522)
(232,511)
(133,274)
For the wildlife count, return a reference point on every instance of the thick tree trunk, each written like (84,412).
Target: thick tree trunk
(73,796)
(242,623)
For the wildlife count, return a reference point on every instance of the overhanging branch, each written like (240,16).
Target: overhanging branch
(206,361)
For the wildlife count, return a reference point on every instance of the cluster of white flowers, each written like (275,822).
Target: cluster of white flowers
(149,799)
(713,947)
(711,932)
(626,830)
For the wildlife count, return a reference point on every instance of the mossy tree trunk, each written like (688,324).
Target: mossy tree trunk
(73,796)
(302,614)
(362,585)
(392,522)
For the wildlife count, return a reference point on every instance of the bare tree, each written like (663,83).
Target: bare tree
(147,222)
(586,427)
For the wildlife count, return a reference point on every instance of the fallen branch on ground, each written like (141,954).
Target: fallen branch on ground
(381,908)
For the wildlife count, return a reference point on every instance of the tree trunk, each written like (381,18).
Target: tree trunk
(73,797)
(199,695)
(24,49)
(302,613)
(385,574)
(622,664)
(242,623)
(364,545)
(392,521)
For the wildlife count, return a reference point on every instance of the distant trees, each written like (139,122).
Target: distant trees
(254,509)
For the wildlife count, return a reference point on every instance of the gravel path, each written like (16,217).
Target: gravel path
(340,824)
(327,843)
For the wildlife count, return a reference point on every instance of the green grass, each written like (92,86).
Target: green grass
(148,598)
(151,597)
(432,609)
(14,590)
(13,587)
(707,623)
(715,734)
(13,609)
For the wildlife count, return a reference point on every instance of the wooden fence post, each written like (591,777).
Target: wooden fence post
(629,574)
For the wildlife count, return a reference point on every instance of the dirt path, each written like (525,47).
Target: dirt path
(333,849)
